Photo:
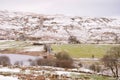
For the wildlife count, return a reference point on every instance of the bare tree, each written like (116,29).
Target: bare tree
(72,39)
(47,48)
(112,60)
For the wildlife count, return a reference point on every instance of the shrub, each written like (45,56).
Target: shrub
(18,63)
(73,40)
(95,67)
(46,62)
(64,63)
(64,60)
(80,64)
(92,67)
(5,61)
(63,56)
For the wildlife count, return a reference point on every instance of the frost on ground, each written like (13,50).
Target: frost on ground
(35,48)
(59,27)
(8,78)
(27,73)
(14,70)
(43,73)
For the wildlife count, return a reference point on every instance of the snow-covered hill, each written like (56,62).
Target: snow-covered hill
(14,25)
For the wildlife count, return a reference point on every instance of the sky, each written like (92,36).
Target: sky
(66,7)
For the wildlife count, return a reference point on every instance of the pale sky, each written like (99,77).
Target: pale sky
(66,7)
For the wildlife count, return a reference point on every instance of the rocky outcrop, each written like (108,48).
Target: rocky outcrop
(59,27)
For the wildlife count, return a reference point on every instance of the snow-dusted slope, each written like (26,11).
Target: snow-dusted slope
(59,27)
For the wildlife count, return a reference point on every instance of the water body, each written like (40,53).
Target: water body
(23,59)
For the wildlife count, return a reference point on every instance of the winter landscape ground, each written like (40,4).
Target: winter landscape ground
(57,47)
(21,52)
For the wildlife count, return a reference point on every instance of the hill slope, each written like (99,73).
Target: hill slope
(18,25)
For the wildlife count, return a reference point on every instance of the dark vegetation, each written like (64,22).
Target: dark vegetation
(73,40)
(64,60)
(5,61)
(95,67)
(46,62)
(61,59)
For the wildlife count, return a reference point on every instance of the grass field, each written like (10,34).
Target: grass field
(83,50)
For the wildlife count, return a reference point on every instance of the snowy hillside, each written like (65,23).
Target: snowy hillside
(15,25)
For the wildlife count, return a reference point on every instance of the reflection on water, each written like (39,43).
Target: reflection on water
(23,59)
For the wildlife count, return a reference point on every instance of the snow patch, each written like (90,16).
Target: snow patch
(8,78)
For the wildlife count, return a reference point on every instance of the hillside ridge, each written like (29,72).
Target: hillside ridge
(31,26)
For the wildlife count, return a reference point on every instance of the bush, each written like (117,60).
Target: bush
(5,61)
(18,63)
(80,64)
(64,60)
(46,62)
(61,59)
(95,67)
(64,63)
(73,40)
(63,56)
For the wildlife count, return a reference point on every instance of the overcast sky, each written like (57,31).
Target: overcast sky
(67,7)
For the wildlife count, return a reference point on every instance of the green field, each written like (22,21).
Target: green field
(83,50)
